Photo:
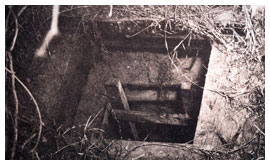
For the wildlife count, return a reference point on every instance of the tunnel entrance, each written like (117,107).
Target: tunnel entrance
(157,92)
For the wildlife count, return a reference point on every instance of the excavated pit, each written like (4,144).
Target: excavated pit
(138,81)
(163,85)
(163,92)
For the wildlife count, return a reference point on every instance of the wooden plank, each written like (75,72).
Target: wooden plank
(151,95)
(153,117)
(144,95)
(215,120)
(142,85)
(143,92)
(126,107)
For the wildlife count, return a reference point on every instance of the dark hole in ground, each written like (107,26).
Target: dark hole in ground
(153,132)
(186,101)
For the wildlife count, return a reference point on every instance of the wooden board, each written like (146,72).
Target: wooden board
(143,93)
(151,95)
(126,108)
(218,119)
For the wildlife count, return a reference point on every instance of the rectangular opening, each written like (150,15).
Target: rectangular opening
(161,94)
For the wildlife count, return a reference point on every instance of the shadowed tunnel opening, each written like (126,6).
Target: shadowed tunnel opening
(165,108)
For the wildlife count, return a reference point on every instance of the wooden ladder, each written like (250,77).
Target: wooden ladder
(121,107)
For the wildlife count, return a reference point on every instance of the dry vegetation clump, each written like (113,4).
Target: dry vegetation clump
(238,31)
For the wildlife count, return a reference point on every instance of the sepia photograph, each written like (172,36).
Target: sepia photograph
(134,82)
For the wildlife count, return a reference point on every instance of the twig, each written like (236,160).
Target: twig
(37,108)
(22,10)
(67,130)
(7,20)
(16,32)
(94,118)
(18,15)
(97,129)
(28,140)
(138,157)
(36,154)
(176,47)
(130,36)
(16,107)
(14,86)
(165,38)
(86,125)
(261,158)
(174,52)
(59,128)
(66,146)
(107,146)
(95,145)
(152,24)
(259,129)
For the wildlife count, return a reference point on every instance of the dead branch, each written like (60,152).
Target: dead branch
(151,25)
(16,107)
(14,85)
(37,108)
(165,37)
(22,10)
(259,129)
(179,44)
(28,140)
(36,154)
(66,146)
(16,32)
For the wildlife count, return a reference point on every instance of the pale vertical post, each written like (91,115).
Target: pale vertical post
(126,107)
